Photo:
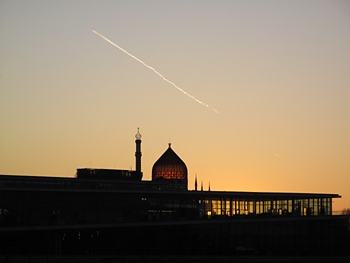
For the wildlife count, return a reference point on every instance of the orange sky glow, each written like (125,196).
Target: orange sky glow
(276,72)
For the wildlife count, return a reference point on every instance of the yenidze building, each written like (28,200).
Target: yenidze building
(115,212)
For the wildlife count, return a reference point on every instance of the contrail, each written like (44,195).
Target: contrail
(155,71)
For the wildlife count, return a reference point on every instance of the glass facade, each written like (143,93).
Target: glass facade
(241,206)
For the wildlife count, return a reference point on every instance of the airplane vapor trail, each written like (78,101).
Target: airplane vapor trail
(153,69)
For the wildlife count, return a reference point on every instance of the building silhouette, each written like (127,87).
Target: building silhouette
(110,211)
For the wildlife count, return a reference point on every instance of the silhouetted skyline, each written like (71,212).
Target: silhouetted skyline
(277,72)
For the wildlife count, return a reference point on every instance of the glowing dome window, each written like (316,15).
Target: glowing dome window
(170,167)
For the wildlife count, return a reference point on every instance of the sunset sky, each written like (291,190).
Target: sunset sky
(277,72)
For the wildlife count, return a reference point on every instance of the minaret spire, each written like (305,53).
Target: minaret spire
(138,153)
(195,183)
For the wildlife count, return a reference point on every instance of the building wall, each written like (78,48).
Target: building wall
(321,236)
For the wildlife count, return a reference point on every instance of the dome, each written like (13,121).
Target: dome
(170,167)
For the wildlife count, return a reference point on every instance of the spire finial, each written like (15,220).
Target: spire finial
(138,135)
(169,143)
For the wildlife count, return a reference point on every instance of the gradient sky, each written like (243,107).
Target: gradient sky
(278,72)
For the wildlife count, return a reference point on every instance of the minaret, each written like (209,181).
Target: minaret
(195,183)
(138,153)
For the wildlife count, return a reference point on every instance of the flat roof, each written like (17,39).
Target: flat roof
(61,184)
